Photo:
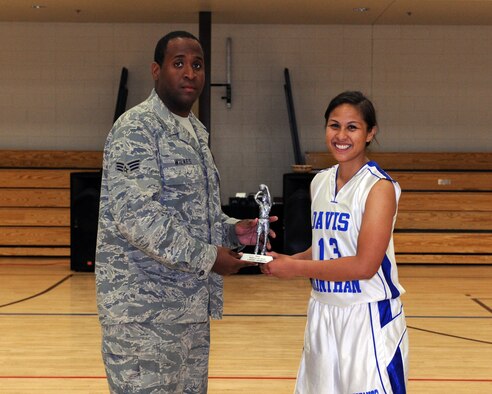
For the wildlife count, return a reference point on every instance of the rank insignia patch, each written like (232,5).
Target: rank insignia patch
(128,167)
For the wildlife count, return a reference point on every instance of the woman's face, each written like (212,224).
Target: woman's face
(347,133)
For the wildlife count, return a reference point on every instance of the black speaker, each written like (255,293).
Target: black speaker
(85,189)
(297,212)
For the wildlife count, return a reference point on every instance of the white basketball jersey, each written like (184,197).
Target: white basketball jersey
(336,218)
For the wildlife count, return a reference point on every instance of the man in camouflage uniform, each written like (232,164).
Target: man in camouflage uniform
(163,240)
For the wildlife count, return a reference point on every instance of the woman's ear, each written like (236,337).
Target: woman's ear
(371,134)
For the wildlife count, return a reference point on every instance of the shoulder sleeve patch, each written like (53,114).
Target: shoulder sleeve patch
(130,166)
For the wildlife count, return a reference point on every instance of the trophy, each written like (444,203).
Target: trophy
(264,202)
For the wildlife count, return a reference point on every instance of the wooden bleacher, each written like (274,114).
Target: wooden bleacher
(445,211)
(35,200)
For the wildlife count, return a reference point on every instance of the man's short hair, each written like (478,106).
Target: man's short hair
(160,48)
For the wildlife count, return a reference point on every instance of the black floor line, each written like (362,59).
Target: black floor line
(40,293)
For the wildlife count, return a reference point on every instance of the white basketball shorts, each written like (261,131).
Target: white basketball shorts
(359,349)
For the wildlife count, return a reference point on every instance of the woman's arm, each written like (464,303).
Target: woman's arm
(374,236)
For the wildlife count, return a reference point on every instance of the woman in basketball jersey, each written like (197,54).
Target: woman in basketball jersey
(356,337)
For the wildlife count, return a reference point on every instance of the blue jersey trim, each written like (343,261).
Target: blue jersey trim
(335,194)
(380,170)
(386,266)
(383,285)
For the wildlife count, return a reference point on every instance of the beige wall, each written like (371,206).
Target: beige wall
(432,87)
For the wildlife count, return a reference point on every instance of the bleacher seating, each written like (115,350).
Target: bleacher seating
(445,211)
(35,200)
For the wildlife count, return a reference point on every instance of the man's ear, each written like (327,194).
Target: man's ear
(155,70)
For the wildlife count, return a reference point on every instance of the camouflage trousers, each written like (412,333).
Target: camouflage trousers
(156,358)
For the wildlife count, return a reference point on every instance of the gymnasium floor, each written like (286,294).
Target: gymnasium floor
(50,338)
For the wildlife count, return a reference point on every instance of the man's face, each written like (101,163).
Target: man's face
(180,79)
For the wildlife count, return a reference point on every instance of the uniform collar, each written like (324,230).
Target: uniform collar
(173,125)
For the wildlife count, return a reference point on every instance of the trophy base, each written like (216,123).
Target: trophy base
(256,258)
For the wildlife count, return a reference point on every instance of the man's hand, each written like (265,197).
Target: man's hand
(246,231)
(228,262)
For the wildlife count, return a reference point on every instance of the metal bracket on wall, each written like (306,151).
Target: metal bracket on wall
(228,96)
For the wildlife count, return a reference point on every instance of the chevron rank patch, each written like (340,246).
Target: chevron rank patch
(128,167)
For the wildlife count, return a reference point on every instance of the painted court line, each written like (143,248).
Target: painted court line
(252,378)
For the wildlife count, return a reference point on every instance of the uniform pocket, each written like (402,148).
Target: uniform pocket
(122,372)
(134,374)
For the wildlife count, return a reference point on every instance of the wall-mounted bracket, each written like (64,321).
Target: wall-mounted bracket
(228,96)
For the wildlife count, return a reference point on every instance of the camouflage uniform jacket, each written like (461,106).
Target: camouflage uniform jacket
(159,219)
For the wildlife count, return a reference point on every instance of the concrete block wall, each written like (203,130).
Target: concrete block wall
(431,86)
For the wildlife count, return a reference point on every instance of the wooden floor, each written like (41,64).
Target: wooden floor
(50,338)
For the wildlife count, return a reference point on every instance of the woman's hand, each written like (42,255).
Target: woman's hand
(282,266)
